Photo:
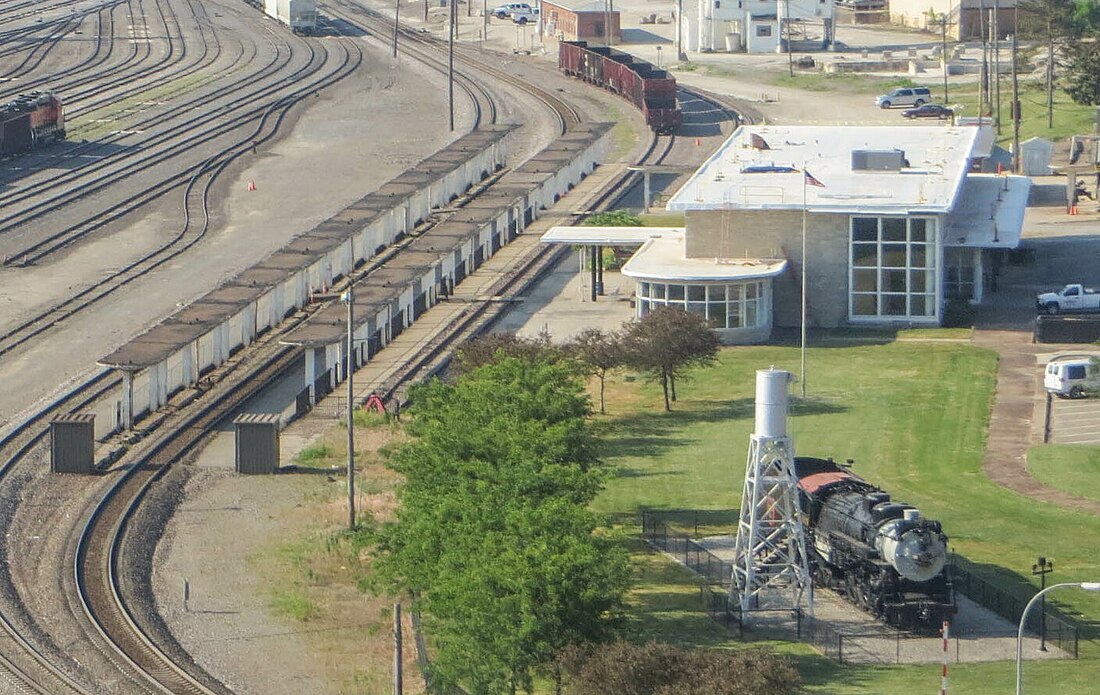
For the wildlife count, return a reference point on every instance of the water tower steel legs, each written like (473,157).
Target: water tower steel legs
(770,550)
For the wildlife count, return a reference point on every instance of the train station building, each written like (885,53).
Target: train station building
(896,221)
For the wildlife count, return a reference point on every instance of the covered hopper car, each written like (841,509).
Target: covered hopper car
(882,554)
(31,120)
(299,15)
(650,89)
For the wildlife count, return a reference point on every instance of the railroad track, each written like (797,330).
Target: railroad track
(196,213)
(24,666)
(97,563)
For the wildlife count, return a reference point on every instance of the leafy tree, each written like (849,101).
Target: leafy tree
(598,352)
(1083,74)
(662,669)
(493,537)
(667,343)
(614,218)
(492,347)
(1052,22)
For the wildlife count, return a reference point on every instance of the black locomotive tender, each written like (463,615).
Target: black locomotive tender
(882,554)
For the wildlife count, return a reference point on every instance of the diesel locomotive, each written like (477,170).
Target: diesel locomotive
(881,554)
(31,120)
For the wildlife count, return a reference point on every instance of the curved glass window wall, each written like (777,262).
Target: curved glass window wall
(739,305)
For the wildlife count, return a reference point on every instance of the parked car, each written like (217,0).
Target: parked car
(1072,376)
(1069,299)
(506,10)
(904,96)
(525,16)
(928,111)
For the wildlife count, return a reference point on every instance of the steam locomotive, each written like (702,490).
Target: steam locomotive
(882,554)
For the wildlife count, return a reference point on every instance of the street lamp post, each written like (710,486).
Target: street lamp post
(349,299)
(1087,586)
(1042,568)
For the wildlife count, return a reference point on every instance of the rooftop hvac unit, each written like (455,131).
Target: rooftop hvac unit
(878,160)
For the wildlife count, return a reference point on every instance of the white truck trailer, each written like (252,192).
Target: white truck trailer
(299,15)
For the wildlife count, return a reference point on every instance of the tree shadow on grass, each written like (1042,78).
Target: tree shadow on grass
(653,433)
(1014,592)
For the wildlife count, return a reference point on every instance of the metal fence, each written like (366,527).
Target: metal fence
(887,645)
(1010,606)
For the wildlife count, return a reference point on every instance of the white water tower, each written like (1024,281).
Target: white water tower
(770,569)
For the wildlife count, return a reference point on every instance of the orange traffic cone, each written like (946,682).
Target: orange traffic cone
(251,185)
(1073,210)
(697,143)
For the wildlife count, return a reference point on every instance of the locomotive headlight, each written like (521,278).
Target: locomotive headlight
(918,554)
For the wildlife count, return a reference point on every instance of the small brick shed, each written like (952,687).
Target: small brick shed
(580,21)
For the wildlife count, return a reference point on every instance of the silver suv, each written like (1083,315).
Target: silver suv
(904,96)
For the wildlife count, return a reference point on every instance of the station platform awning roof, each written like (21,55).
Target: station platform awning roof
(989,213)
(662,259)
(608,236)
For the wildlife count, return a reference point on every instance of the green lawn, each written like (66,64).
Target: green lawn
(1069,118)
(1074,469)
(912,415)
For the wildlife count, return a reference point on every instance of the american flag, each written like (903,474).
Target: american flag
(811,181)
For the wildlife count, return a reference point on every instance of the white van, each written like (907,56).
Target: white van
(1072,376)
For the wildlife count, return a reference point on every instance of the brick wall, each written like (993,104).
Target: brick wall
(778,234)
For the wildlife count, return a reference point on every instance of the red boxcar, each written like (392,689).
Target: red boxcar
(650,89)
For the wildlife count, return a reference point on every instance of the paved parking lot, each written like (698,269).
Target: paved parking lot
(1075,421)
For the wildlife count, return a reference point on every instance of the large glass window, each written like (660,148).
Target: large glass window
(893,267)
(739,305)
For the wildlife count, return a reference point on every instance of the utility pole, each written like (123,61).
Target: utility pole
(997,65)
(451,61)
(679,30)
(983,77)
(787,20)
(398,662)
(396,14)
(349,299)
(1050,72)
(1015,97)
(943,30)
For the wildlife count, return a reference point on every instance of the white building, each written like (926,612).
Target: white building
(752,26)
(894,221)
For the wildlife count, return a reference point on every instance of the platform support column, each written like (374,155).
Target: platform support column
(126,415)
(592,272)
(645,192)
(599,270)
(248,327)
(310,370)
(191,363)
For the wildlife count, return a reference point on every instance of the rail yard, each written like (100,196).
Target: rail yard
(162,240)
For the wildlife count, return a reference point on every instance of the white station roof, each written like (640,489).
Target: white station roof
(607,236)
(990,212)
(761,167)
(662,259)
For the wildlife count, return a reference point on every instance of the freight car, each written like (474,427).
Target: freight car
(31,120)
(650,89)
(299,15)
(882,554)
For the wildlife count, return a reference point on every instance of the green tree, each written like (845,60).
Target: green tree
(1083,74)
(493,538)
(614,218)
(667,343)
(598,352)
(492,347)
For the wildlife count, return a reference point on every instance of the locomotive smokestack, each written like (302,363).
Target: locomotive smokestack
(771,402)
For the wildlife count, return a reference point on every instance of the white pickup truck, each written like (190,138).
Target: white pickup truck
(1070,299)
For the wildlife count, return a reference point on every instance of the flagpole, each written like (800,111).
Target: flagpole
(803,280)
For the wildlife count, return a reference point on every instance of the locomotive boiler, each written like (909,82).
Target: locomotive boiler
(880,553)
